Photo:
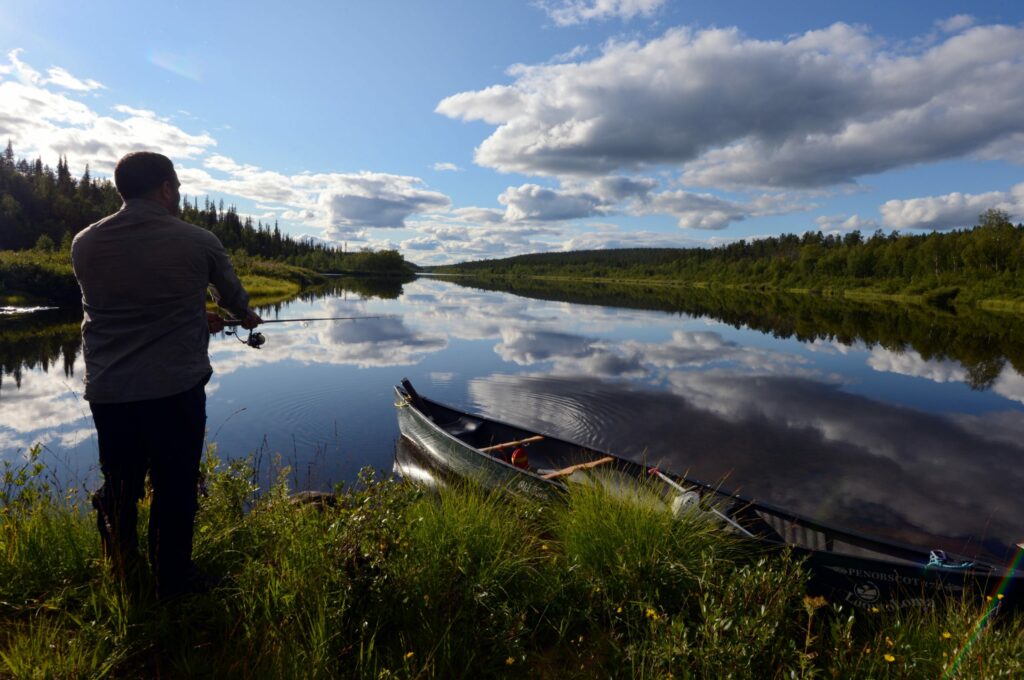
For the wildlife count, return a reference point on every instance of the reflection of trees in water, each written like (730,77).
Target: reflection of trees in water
(39,340)
(364,287)
(385,288)
(982,342)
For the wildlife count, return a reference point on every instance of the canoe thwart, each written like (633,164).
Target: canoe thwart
(528,440)
(582,466)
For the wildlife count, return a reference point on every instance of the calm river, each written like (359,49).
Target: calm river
(903,423)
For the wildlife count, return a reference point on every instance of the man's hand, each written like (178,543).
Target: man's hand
(214,323)
(251,320)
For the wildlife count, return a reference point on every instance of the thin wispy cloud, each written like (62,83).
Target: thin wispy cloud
(62,78)
(574,12)
(955,23)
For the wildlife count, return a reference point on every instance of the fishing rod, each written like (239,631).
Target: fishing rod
(239,322)
(256,339)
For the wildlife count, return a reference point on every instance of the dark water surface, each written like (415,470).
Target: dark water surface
(907,423)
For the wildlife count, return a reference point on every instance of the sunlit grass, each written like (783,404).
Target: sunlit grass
(262,286)
(385,580)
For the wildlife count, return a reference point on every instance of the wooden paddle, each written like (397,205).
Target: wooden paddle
(582,466)
(528,440)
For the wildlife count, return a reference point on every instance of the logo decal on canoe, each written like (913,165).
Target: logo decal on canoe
(867,591)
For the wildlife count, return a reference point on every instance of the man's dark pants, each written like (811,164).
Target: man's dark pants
(164,437)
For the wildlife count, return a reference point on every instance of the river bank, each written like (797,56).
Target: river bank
(941,297)
(385,580)
(33,277)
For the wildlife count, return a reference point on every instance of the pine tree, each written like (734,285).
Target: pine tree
(7,160)
(65,184)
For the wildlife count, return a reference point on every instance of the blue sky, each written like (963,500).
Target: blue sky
(464,130)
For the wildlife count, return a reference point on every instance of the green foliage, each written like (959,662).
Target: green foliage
(45,244)
(983,262)
(382,581)
(40,207)
(44,273)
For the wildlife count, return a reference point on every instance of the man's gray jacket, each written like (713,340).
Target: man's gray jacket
(144,275)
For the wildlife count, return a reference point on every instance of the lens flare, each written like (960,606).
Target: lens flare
(993,603)
(179,64)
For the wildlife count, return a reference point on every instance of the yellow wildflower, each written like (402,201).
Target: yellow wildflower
(988,598)
(888,641)
(410,655)
(509,661)
(874,610)
(999,596)
(889,657)
(618,610)
(543,546)
(946,635)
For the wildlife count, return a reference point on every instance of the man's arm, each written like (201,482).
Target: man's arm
(225,287)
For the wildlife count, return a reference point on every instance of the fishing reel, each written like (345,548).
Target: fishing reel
(255,339)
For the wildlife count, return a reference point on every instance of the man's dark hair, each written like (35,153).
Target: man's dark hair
(140,172)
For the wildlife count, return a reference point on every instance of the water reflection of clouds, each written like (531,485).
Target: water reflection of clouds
(383,341)
(47,409)
(1009,383)
(569,354)
(912,364)
(832,347)
(802,444)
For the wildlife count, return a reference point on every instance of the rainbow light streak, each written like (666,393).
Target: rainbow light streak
(178,64)
(979,625)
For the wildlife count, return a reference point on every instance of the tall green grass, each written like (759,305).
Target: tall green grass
(387,581)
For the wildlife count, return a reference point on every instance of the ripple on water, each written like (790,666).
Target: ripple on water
(290,421)
(562,407)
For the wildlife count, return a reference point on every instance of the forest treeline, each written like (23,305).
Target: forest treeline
(42,208)
(984,262)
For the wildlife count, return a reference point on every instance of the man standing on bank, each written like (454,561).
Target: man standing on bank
(144,275)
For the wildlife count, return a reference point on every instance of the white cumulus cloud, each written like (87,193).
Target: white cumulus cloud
(845,223)
(950,211)
(812,110)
